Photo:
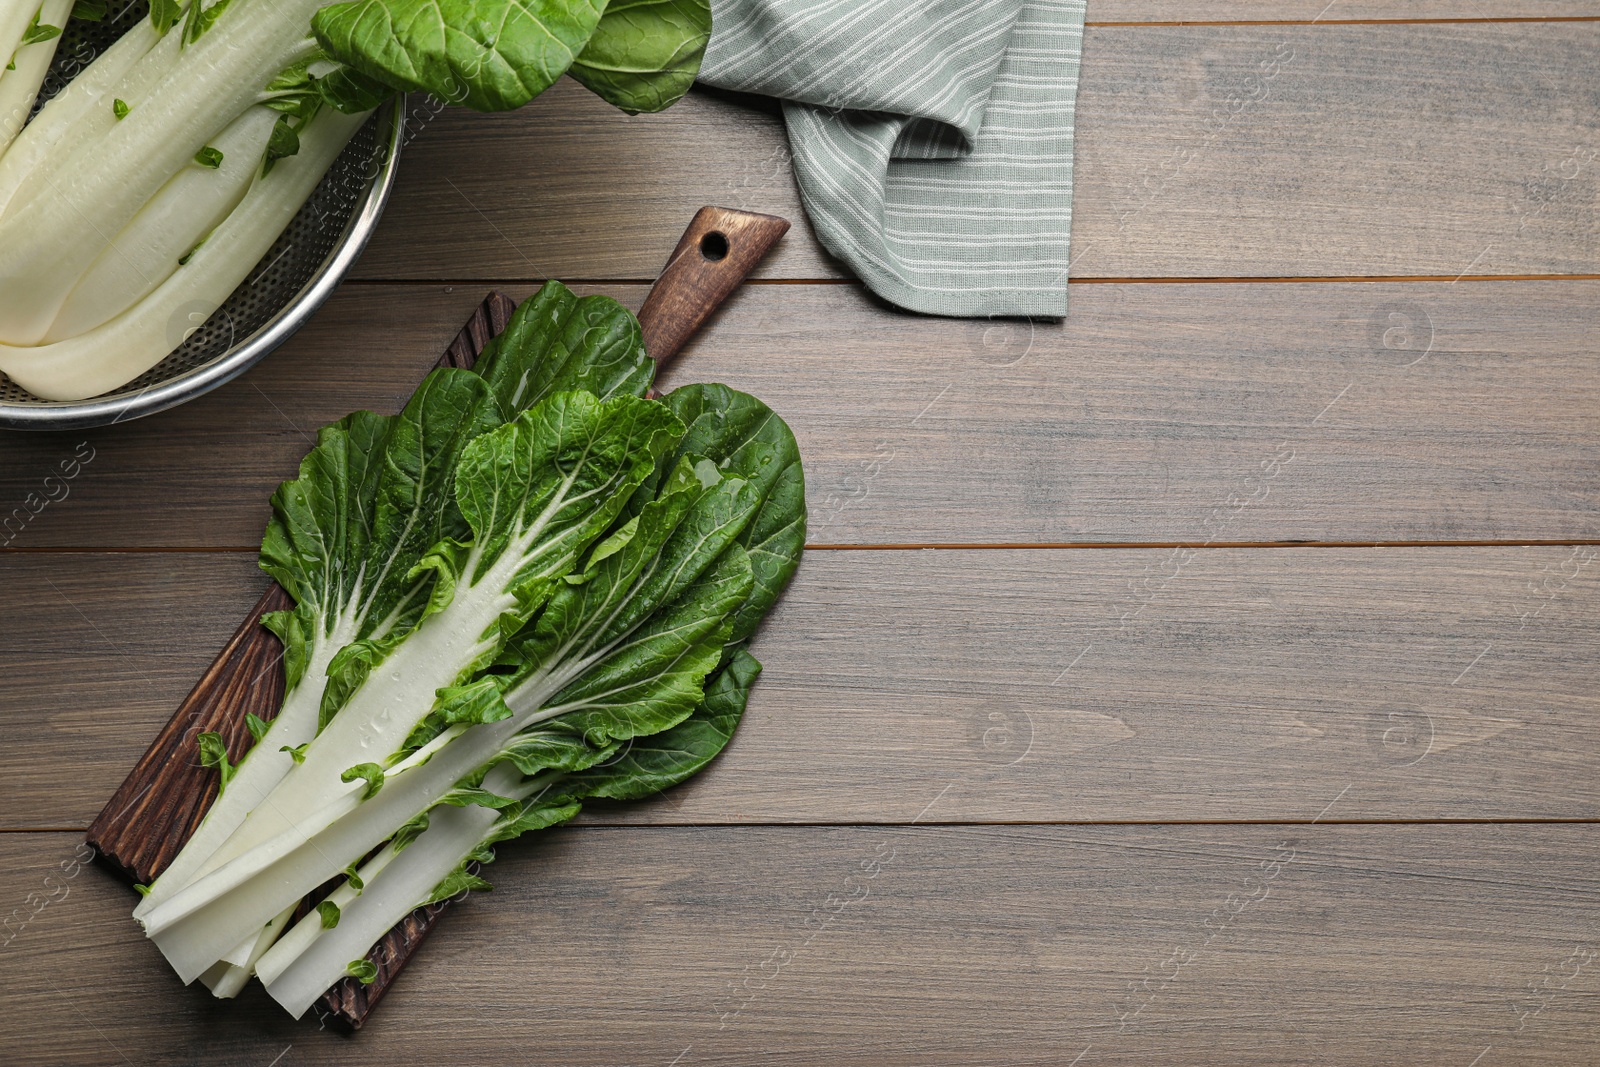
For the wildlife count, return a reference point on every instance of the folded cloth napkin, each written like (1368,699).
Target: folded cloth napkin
(931,139)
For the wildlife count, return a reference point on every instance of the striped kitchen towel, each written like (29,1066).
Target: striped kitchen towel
(931,139)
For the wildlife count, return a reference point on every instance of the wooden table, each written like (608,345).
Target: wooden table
(1211,679)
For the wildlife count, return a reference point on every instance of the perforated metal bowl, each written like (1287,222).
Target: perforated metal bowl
(282,291)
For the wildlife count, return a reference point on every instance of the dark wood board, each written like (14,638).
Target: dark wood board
(1039,686)
(1414,411)
(1367,153)
(1201,946)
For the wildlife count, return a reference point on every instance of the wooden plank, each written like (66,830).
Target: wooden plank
(989,686)
(1273,151)
(1202,151)
(954,945)
(152,624)
(1201,413)
(1405,411)
(569,187)
(1148,11)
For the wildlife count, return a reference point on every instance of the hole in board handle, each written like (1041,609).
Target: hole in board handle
(714,246)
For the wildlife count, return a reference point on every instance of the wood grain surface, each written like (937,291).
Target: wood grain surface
(1008,686)
(1142,12)
(1201,151)
(1201,945)
(1091,799)
(1405,411)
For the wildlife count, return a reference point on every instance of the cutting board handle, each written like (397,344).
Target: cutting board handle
(717,252)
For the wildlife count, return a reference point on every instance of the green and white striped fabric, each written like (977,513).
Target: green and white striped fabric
(932,139)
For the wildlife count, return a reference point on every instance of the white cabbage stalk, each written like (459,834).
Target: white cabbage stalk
(294,829)
(241,889)
(133,342)
(310,929)
(42,250)
(148,250)
(115,244)
(219,874)
(30,63)
(90,124)
(227,979)
(309,960)
(194,938)
(14,18)
(377,719)
(262,768)
(69,111)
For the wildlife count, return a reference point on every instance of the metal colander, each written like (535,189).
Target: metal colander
(282,291)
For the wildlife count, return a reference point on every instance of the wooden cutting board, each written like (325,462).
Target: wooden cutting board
(167,794)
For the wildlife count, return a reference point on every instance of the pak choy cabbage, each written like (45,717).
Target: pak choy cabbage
(530,588)
(158,178)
